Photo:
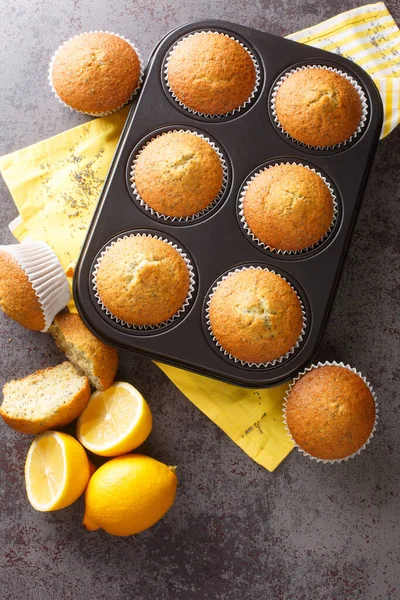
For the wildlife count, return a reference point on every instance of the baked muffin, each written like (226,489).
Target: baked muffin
(33,285)
(91,356)
(330,412)
(18,298)
(95,72)
(142,280)
(318,107)
(255,315)
(211,73)
(288,207)
(47,399)
(178,174)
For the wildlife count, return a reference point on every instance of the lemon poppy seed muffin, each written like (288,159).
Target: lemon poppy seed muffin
(211,73)
(255,315)
(95,72)
(330,412)
(89,355)
(142,280)
(318,107)
(288,207)
(18,298)
(178,174)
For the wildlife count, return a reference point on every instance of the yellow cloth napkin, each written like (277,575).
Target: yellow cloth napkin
(55,185)
(369,36)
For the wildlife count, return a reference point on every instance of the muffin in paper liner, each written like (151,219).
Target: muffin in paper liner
(227,354)
(100,114)
(369,386)
(157,326)
(202,212)
(354,83)
(44,271)
(247,229)
(209,115)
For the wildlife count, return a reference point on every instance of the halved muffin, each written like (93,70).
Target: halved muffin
(91,356)
(49,398)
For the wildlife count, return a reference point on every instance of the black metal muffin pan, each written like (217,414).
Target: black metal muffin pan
(216,242)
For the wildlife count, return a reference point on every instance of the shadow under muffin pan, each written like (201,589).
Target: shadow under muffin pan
(216,242)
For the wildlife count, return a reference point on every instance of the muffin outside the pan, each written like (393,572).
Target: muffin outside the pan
(33,285)
(211,73)
(318,107)
(178,174)
(330,412)
(142,280)
(18,298)
(255,316)
(288,207)
(95,73)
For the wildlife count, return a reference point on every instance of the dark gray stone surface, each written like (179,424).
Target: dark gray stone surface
(305,532)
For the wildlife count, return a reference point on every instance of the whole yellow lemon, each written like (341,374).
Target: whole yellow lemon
(128,494)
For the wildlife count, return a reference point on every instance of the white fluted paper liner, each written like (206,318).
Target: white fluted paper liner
(100,114)
(231,112)
(205,210)
(367,383)
(277,250)
(354,83)
(276,361)
(179,313)
(45,273)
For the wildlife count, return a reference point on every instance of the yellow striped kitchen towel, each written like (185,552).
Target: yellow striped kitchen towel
(55,185)
(369,36)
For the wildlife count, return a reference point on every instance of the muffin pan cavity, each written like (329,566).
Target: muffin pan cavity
(215,241)
(265,313)
(138,329)
(328,235)
(215,202)
(328,66)
(244,104)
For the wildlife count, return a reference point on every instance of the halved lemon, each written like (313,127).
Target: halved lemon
(56,471)
(115,421)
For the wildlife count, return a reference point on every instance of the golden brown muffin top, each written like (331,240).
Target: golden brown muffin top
(95,72)
(255,315)
(318,107)
(142,280)
(18,299)
(178,174)
(211,73)
(288,207)
(330,412)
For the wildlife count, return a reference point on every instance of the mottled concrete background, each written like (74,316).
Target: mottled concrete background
(306,532)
